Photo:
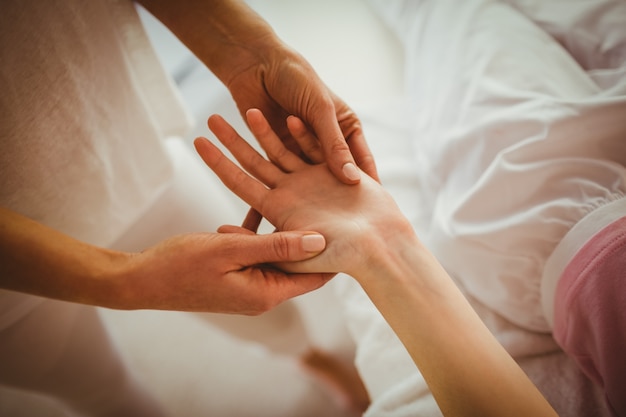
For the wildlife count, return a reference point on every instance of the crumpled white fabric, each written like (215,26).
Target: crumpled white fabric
(505,140)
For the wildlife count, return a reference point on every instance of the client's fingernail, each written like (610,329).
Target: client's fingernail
(313,243)
(351,172)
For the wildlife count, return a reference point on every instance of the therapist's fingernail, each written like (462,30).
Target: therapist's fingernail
(313,243)
(351,172)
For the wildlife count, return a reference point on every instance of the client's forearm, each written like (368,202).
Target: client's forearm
(467,370)
(38,260)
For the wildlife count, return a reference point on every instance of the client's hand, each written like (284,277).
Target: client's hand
(294,195)
(369,239)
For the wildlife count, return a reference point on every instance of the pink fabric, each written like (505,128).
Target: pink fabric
(590,312)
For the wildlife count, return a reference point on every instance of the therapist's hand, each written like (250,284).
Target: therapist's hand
(262,72)
(224,273)
(210,272)
(283,83)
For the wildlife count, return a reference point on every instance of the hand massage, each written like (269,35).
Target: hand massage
(472,231)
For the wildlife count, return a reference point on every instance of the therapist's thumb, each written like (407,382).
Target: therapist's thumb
(286,246)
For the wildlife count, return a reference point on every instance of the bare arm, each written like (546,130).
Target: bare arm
(195,272)
(467,370)
(39,260)
(226,35)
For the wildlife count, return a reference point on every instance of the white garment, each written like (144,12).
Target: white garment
(514,141)
(83,108)
(81,149)
(85,112)
(63,350)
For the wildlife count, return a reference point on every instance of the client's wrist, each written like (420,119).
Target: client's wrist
(384,248)
(401,266)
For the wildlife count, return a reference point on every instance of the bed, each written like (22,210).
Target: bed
(452,96)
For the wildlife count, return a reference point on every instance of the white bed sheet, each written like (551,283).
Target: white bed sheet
(577,52)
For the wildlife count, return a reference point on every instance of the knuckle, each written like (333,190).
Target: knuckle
(338,145)
(281,246)
(326,104)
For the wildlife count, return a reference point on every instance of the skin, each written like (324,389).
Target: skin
(193,272)
(204,271)
(243,51)
(467,370)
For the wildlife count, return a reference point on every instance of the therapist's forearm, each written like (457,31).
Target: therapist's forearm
(38,260)
(227,35)
(467,370)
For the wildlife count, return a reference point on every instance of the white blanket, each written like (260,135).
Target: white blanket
(508,110)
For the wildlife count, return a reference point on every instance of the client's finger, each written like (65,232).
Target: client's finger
(229,228)
(271,143)
(252,221)
(240,183)
(308,143)
(247,156)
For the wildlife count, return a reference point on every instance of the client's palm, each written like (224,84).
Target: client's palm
(294,195)
(313,199)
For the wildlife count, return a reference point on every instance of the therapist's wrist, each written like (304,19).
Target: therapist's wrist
(229,60)
(106,279)
(236,39)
